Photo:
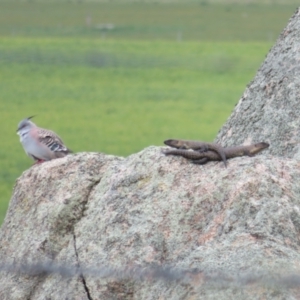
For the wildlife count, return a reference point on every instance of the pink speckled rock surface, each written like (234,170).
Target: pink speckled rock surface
(91,209)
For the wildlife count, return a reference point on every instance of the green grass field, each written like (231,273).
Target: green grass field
(197,21)
(163,71)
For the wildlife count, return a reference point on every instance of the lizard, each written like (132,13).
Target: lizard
(230,152)
(198,146)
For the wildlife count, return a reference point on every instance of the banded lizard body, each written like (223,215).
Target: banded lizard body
(198,146)
(230,152)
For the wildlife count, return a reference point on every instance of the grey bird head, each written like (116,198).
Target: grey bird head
(25,125)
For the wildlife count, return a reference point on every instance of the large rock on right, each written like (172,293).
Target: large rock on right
(269,109)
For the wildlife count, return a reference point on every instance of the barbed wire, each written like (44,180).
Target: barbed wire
(196,277)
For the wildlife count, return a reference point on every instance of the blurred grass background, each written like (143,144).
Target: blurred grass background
(116,77)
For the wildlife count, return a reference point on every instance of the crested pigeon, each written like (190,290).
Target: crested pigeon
(40,144)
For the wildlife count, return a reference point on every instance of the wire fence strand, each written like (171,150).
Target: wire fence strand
(195,277)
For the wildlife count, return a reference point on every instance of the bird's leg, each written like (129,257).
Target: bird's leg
(38,161)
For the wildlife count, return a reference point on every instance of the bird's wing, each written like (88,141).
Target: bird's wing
(51,140)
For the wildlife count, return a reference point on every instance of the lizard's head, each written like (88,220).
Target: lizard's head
(259,147)
(172,143)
